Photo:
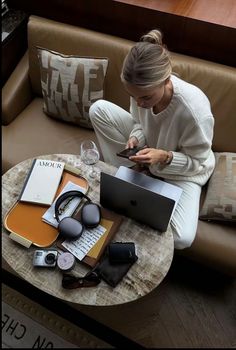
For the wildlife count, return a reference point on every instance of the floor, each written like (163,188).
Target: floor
(194,307)
(212,11)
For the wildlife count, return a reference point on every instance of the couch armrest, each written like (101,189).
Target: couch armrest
(214,246)
(16,93)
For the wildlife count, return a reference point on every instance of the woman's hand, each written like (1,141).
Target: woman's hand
(132,142)
(150,156)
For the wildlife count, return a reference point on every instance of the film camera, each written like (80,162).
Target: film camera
(45,258)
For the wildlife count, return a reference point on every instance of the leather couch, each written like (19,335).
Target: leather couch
(28,132)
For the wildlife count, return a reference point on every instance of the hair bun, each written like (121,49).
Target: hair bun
(154,37)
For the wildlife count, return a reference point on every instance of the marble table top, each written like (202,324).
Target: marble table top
(154,250)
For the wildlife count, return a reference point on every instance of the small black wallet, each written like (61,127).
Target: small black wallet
(121,252)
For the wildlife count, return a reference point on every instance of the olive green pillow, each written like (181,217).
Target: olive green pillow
(220,201)
(70,85)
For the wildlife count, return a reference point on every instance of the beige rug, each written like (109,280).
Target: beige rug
(26,324)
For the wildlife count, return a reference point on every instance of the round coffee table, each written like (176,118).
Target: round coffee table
(154,250)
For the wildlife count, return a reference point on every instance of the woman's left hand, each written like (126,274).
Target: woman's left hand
(149,156)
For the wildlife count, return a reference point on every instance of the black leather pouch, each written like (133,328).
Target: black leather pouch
(112,274)
(114,265)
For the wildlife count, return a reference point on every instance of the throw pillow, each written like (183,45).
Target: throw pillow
(70,85)
(220,201)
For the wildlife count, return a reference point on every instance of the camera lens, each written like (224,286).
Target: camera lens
(50,258)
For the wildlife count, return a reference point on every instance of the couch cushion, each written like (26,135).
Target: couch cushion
(70,85)
(72,40)
(44,135)
(220,200)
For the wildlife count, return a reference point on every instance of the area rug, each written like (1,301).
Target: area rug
(26,324)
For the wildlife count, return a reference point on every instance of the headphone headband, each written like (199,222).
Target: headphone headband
(65,196)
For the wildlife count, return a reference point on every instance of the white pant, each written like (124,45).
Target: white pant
(112,126)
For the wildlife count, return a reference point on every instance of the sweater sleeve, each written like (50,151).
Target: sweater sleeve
(137,130)
(194,149)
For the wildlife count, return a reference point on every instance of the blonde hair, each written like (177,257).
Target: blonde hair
(148,61)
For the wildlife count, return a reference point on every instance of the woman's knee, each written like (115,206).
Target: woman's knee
(96,109)
(182,243)
(184,238)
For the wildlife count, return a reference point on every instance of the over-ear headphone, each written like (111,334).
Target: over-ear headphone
(90,216)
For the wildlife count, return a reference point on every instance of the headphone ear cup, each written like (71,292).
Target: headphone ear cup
(70,228)
(91,215)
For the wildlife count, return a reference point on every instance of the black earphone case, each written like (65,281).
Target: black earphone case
(121,252)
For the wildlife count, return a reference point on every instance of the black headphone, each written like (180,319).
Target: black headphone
(90,216)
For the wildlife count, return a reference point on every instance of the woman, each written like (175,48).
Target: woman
(171,118)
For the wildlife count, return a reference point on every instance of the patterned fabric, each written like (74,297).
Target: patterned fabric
(70,84)
(220,200)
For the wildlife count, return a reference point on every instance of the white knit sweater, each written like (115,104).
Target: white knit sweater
(185,127)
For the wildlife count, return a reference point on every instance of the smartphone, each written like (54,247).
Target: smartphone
(126,153)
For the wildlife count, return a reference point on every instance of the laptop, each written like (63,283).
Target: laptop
(148,200)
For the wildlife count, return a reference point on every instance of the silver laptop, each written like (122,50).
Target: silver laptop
(139,197)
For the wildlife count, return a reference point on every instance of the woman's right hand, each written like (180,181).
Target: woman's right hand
(132,142)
